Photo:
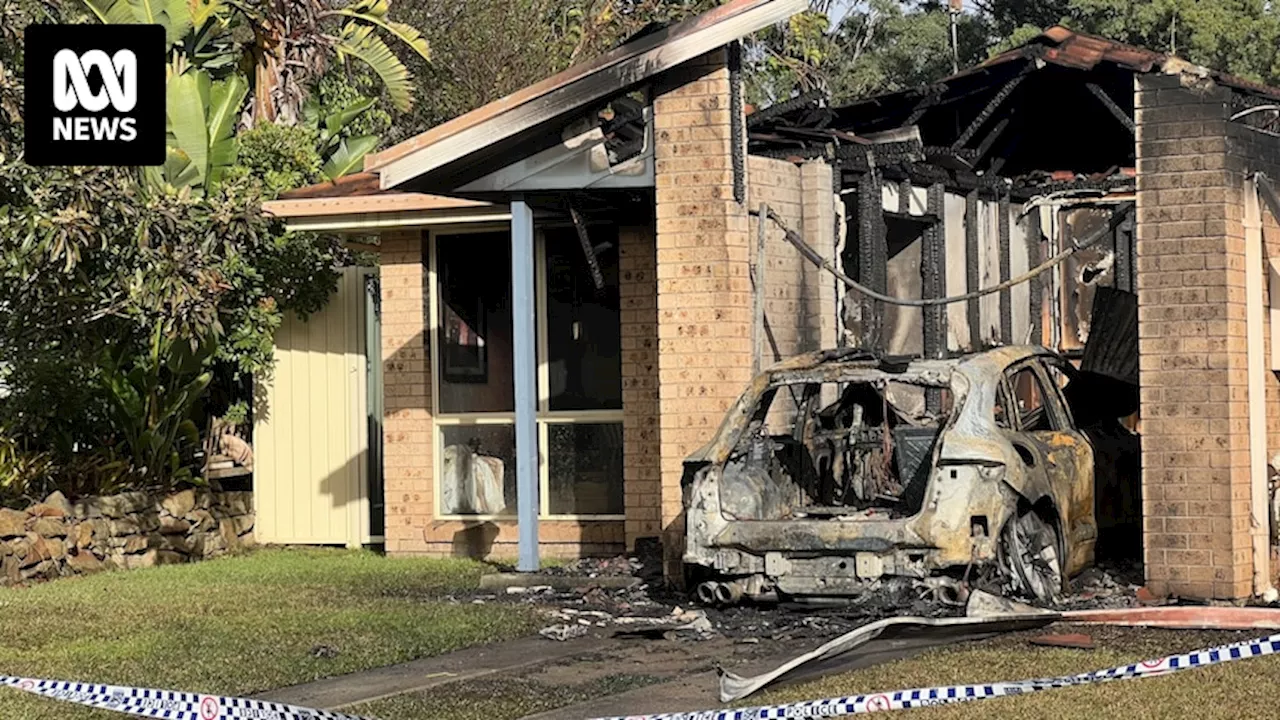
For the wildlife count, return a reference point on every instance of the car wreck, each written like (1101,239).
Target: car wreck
(837,473)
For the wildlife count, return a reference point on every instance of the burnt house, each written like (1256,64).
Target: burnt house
(1140,183)
(577,281)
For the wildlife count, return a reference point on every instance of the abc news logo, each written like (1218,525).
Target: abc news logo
(95,94)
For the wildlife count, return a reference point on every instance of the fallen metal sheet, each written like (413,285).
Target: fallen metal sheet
(1181,617)
(950,694)
(891,638)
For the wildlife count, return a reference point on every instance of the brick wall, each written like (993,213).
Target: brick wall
(1192,345)
(800,307)
(638,291)
(407,423)
(704,292)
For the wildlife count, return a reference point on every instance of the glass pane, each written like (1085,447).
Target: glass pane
(474,274)
(478,470)
(585,469)
(584,342)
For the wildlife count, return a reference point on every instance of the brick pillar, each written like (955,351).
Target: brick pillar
(1191,325)
(704,292)
(407,391)
(638,290)
(819,209)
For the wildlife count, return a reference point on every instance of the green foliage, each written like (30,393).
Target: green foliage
(270,36)
(152,398)
(789,58)
(280,157)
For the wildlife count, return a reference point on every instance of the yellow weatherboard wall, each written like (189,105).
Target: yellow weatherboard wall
(310,435)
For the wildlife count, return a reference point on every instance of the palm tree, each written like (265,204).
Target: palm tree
(292,43)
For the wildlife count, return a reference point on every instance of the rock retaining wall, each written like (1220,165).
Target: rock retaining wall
(57,538)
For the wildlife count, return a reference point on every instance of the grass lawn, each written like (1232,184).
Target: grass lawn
(240,625)
(1241,689)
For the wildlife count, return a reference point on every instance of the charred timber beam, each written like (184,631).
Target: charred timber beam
(1124,252)
(737,124)
(1006,271)
(588,249)
(992,105)
(972,278)
(873,255)
(933,264)
(1034,258)
(1111,106)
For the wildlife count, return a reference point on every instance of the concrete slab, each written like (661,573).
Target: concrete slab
(346,690)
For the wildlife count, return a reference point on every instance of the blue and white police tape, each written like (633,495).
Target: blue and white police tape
(947,694)
(144,702)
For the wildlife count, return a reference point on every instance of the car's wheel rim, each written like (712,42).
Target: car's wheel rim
(1033,557)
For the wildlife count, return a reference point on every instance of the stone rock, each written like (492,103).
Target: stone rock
(230,537)
(59,502)
(135,544)
(145,560)
(87,508)
(90,532)
(84,563)
(237,503)
(204,500)
(44,570)
(41,510)
(248,540)
(119,506)
(241,523)
(180,503)
(176,543)
(207,545)
(12,523)
(202,520)
(11,570)
(42,549)
(174,525)
(167,557)
(135,524)
(49,527)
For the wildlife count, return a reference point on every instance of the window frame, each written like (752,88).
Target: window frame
(544,417)
(1052,401)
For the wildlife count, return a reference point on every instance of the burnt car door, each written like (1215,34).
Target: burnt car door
(1056,456)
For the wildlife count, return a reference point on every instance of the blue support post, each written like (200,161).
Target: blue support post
(525,368)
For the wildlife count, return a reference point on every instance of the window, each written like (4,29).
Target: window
(1034,414)
(579,375)
(473,274)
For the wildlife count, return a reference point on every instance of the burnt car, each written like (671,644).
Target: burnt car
(837,472)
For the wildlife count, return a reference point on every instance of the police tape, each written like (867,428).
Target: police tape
(145,702)
(948,694)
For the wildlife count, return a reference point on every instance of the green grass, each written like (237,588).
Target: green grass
(240,625)
(1241,689)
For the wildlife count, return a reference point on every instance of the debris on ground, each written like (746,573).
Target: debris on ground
(1075,641)
(591,594)
(564,632)
(324,652)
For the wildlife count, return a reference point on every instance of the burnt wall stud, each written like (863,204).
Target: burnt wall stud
(933,264)
(1006,295)
(972,278)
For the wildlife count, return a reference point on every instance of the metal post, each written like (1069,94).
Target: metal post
(525,365)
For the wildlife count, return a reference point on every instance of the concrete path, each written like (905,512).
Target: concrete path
(346,690)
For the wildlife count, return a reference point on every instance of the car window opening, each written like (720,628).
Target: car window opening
(831,450)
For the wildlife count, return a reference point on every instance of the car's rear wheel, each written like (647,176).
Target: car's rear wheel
(1031,556)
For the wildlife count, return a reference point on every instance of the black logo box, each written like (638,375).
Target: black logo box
(42,43)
